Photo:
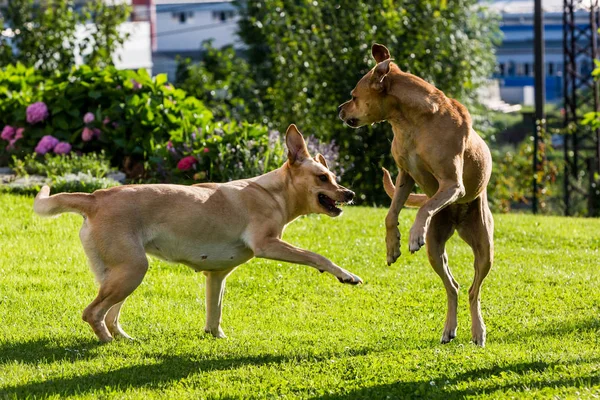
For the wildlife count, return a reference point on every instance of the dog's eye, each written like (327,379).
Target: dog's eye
(323,178)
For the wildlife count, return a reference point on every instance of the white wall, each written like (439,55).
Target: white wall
(136,52)
(173,35)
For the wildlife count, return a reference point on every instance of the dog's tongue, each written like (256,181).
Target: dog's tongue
(330,201)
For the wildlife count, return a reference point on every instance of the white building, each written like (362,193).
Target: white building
(182,26)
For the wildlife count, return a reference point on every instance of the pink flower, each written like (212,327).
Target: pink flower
(18,135)
(88,118)
(105,121)
(7,133)
(37,112)
(206,150)
(46,144)
(62,148)
(136,84)
(87,134)
(186,163)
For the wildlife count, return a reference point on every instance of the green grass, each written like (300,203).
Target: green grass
(295,333)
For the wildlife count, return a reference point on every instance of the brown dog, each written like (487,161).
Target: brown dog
(210,227)
(435,146)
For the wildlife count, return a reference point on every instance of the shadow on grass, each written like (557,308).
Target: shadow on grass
(167,369)
(442,386)
(555,329)
(46,351)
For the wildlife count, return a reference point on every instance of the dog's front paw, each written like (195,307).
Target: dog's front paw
(217,333)
(392,242)
(350,278)
(479,336)
(417,238)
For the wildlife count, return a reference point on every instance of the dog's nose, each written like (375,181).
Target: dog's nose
(349,195)
(341,113)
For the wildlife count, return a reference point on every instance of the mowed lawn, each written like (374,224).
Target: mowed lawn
(296,333)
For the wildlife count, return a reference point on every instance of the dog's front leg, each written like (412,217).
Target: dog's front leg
(215,287)
(449,191)
(276,249)
(404,185)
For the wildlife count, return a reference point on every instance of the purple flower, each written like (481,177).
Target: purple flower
(18,135)
(105,121)
(37,112)
(87,134)
(7,133)
(46,144)
(62,148)
(96,132)
(88,118)
(136,84)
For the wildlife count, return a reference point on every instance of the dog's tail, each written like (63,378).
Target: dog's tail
(80,203)
(414,200)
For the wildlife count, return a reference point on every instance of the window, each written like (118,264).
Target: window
(501,69)
(224,15)
(550,69)
(183,16)
(511,69)
(526,69)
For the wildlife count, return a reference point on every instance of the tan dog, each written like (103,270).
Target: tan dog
(435,146)
(210,227)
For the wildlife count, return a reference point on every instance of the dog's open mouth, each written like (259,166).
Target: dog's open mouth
(329,204)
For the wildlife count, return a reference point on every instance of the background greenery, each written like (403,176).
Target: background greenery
(295,333)
(305,57)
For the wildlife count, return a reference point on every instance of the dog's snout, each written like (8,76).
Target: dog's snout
(341,112)
(349,194)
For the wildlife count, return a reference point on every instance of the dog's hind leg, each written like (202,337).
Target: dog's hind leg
(112,322)
(477,229)
(215,288)
(119,269)
(119,282)
(441,229)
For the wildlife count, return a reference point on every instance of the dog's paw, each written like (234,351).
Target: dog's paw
(392,242)
(217,333)
(417,238)
(478,338)
(350,278)
(448,335)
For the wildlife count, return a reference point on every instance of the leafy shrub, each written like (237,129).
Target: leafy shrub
(223,82)
(80,182)
(92,164)
(128,113)
(233,151)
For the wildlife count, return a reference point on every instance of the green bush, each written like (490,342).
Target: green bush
(223,82)
(132,113)
(96,165)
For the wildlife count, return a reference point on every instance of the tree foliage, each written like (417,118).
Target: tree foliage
(308,55)
(44,34)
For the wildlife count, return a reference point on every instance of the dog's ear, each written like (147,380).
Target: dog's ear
(297,150)
(320,159)
(379,73)
(380,52)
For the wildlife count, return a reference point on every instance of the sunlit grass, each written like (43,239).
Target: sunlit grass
(295,333)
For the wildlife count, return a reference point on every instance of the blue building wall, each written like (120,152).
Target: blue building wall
(515,56)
